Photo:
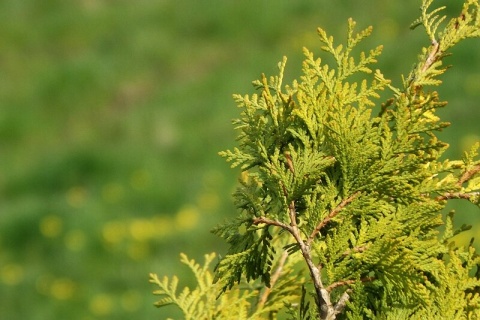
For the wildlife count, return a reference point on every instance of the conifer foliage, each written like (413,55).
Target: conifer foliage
(341,197)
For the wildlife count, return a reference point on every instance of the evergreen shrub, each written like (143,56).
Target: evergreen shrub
(341,197)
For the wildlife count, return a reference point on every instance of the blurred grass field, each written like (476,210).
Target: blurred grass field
(111,117)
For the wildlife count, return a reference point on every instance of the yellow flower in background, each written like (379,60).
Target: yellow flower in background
(11,274)
(187,218)
(163,226)
(142,229)
(468,141)
(114,231)
(62,288)
(101,305)
(208,201)
(51,226)
(59,288)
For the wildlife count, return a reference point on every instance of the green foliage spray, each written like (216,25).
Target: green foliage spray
(340,197)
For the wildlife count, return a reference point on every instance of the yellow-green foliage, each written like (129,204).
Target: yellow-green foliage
(206,301)
(202,302)
(348,190)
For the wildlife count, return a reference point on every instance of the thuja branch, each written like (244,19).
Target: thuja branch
(458,195)
(270,222)
(467,175)
(331,215)
(293,130)
(325,306)
(283,127)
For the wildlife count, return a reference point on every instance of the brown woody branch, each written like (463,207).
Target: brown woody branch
(467,175)
(270,222)
(326,308)
(342,302)
(347,282)
(355,249)
(457,195)
(433,56)
(331,215)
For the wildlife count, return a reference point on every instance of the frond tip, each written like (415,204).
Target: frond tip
(202,302)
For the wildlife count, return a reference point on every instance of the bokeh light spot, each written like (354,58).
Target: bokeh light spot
(101,305)
(62,288)
(186,218)
(12,274)
(208,201)
(51,226)
(113,232)
(142,229)
(163,226)
(467,142)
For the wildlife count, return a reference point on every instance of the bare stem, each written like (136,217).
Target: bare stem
(342,302)
(323,297)
(457,195)
(325,306)
(432,57)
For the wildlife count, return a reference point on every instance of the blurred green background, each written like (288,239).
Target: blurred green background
(111,117)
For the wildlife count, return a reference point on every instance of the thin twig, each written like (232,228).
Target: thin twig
(325,306)
(331,215)
(273,280)
(270,222)
(292,214)
(432,57)
(355,249)
(467,175)
(457,195)
(347,282)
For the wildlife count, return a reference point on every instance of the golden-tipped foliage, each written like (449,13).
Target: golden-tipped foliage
(210,301)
